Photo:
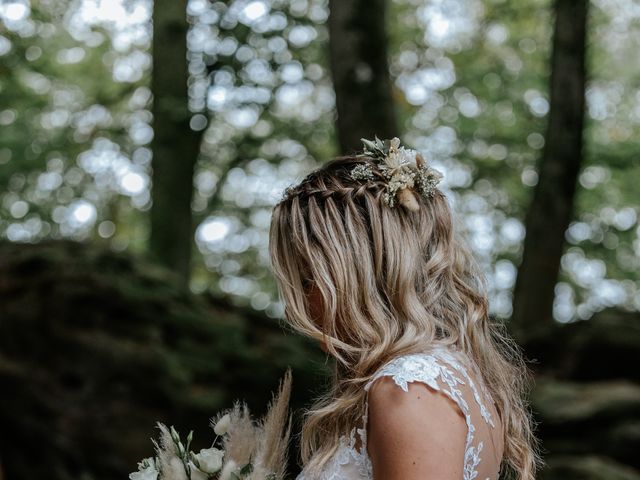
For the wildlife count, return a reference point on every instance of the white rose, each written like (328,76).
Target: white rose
(196,473)
(146,470)
(210,460)
(223,425)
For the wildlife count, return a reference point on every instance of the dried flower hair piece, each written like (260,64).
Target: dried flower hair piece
(403,169)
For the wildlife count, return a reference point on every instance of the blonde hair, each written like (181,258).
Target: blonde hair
(391,282)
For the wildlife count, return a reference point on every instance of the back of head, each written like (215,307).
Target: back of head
(389,280)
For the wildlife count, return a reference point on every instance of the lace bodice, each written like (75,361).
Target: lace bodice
(442,369)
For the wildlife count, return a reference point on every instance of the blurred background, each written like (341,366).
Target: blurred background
(143,145)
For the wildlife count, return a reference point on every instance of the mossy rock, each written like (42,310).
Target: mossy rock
(586,468)
(607,346)
(97,346)
(565,403)
(589,418)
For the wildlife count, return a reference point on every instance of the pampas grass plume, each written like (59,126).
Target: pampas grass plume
(273,440)
(240,440)
(169,463)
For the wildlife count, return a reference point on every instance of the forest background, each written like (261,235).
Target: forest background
(142,146)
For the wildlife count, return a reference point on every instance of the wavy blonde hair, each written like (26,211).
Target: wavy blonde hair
(390,282)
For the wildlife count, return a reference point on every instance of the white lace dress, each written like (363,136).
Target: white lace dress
(442,369)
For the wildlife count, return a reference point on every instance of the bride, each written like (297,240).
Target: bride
(425,386)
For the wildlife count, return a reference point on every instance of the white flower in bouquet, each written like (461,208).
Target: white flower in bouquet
(209,460)
(146,470)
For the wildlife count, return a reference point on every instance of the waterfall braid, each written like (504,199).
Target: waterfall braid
(391,282)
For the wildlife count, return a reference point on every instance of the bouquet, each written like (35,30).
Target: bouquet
(242,448)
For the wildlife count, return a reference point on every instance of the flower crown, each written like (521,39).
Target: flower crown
(403,169)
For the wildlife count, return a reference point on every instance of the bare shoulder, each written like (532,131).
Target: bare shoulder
(414,432)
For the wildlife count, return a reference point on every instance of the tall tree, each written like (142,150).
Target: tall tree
(552,207)
(175,145)
(360,71)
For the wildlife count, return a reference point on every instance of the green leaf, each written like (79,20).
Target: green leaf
(376,148)
(246,470)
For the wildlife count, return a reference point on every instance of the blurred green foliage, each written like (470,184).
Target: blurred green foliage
(470,89)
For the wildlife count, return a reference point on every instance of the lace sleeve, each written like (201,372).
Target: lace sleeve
(445,373)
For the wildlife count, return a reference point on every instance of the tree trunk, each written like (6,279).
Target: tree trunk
(175,145)
(552,206)
(360,72)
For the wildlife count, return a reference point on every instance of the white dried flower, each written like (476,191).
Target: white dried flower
(146,470)
(428,179)
(223,425)
(398,157)
(362,172)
